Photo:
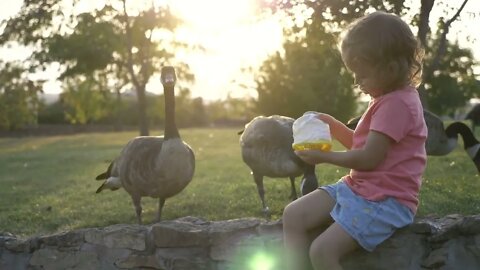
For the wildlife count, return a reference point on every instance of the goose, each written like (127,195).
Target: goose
(470,143)
(441,141)
(155,166)
(266,146)
(474,116)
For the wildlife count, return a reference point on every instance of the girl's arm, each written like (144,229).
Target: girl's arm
(365,159)
(339,131)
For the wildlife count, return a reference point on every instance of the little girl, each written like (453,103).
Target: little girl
(386,152)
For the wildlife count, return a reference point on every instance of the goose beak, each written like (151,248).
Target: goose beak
(101,188)
(476,160)
(477,164)
(474,153)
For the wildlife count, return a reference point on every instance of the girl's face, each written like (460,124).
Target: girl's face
(366,80)
(365,76)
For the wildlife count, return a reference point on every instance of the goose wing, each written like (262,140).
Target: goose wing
(437,143)
(137,160)
(266,146)
(274,131)
(192,156)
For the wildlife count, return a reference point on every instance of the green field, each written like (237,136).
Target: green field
(47,184)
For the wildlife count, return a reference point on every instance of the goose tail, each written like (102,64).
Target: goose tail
(106,174)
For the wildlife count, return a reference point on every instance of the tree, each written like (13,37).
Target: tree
(435,54)
(107,42)
(453,83)
(83,105)
(18,98)
(309,76)
(335,15)
(231,110)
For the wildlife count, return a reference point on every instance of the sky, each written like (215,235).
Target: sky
(238,42)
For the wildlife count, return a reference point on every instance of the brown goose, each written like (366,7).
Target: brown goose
(155,166)
(266,144)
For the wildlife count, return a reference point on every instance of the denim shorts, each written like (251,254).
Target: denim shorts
(368,222)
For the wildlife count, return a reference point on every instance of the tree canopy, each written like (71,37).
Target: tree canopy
(113,49)
(310,67)
(309,76)
(102,43)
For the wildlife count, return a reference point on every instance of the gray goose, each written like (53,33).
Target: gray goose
(266,145)
(441,141)
(155,166)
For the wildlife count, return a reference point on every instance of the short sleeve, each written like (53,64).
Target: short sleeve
(393,118)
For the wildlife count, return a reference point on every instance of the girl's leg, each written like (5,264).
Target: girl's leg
(327,249)
(301,217)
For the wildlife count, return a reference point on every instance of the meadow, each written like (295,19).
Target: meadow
(47,184)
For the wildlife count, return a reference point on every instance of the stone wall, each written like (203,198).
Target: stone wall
(451,242)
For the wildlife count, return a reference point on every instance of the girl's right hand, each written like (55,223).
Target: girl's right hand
(338,130)
(330,120)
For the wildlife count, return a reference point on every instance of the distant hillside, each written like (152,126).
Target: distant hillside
(50,98)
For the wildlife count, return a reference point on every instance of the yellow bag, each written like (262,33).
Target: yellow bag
(311,133)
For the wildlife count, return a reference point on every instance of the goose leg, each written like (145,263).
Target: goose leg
(161,203)
(309,182)
(261,192)
(293,195)
(138,208)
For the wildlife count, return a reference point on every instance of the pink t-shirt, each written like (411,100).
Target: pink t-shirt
(399,115)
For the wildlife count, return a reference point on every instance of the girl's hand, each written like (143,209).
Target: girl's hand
(324,117)
(338,130)
(311,156)
(327,118)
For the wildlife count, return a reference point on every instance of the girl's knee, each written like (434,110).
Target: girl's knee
(292,216)
(319,250)
(321,256)
(288,214)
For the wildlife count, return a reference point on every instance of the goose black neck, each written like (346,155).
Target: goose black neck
(171,130)
(455,128)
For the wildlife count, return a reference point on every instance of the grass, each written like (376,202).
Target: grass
(47,183)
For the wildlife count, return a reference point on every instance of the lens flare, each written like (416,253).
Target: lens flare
(262,261)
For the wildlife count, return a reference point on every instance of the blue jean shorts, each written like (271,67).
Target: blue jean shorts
(368,222)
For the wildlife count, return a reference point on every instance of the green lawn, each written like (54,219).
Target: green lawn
(47,183)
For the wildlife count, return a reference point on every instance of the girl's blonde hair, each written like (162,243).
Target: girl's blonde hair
(384,42)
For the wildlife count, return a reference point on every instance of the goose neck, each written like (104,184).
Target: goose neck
(464,131)
(171,130)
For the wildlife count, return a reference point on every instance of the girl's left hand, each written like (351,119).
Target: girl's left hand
(311,156)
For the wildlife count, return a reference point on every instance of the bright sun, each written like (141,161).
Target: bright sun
(232,37)
(211,13)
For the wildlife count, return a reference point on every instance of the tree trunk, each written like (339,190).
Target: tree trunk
(424,20)
(423,30)
(118,123)
(142,111)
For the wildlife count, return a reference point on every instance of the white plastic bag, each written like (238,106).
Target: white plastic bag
(311,133)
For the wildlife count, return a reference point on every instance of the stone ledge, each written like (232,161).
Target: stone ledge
(450,242)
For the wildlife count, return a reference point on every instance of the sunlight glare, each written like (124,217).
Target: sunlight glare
(262,261)
(210,13)
(231,35)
